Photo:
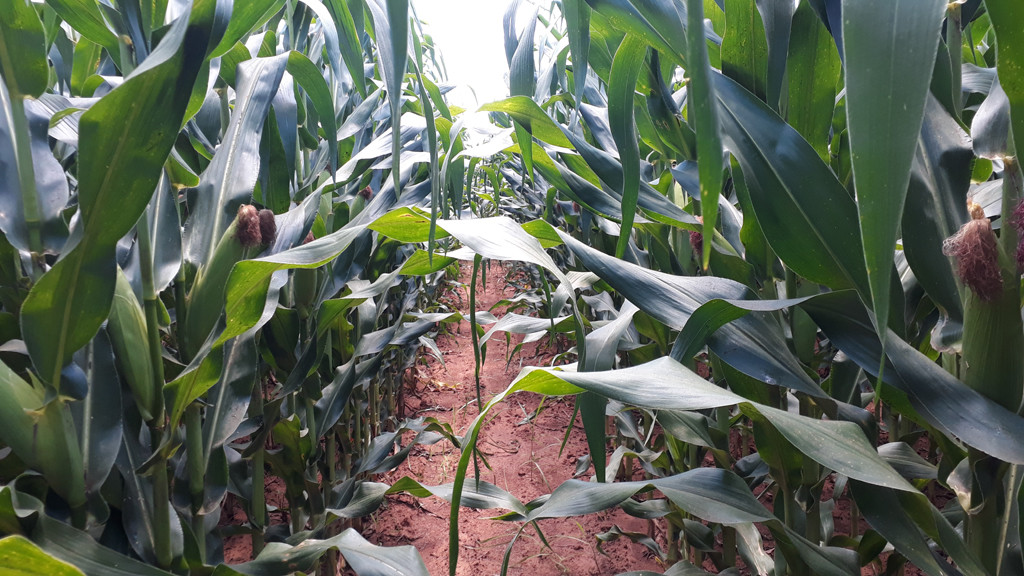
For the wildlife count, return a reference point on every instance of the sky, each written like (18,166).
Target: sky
(468,34)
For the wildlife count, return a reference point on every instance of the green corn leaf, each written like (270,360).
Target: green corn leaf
(659,22)
(577,20)
(351,51)
(1004,15)
(165,234)
(990,127)
(20,556)
(65,543)
(85,17)
(745,47)
(813,68)
(99,417)
(522,75)
(312,81)
(704,117)
(392,29)
(911,524)
(807,216)
(23,65)
(227,401)
(936,208)
(51,184)
(777,18)
(626,67)
(246,17)
(889,49)
(331,41)
(529,114)
(87,60)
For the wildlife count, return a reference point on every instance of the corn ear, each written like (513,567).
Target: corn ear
(206,299)
(127,328)
(993,330)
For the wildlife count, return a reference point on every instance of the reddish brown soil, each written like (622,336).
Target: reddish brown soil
(524,459)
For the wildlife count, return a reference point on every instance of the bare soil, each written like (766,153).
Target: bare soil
(523,451)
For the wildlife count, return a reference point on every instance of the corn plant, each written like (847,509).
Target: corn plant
(819,200)
(192,299)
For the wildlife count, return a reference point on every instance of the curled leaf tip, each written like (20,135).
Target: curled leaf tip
(977,256)
(248,227)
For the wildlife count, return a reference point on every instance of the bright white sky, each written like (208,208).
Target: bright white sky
(468,34)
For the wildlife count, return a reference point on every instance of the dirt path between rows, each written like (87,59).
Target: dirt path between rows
(523,454)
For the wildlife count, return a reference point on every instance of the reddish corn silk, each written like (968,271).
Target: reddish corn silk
(697,243)
(1017,220)
(268,226)
(697,240)
(248,228)
(976,251)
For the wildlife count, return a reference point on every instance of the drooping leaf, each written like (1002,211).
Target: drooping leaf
(361,555)
(807,216)
(941,399)
(889,49)
(750,344)
(529,114)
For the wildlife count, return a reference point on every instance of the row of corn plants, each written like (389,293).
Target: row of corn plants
(193,304)
(818,203)
(219,223)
